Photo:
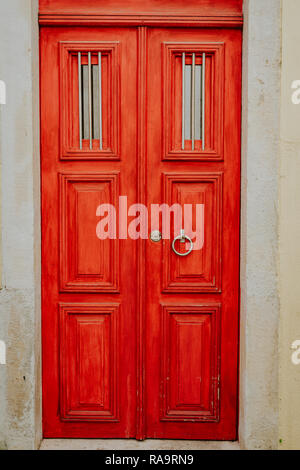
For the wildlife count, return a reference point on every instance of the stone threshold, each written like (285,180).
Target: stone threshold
(132,444)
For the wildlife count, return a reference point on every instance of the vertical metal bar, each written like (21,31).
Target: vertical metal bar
(80,100)
(183,103)
(100,100)
(193,101)
(90,100)
(203,101)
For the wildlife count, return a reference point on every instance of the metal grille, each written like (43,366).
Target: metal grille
(193,101)
(90,100)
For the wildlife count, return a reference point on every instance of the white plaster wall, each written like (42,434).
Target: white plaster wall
(289,373)
(20,415)
(258,428)
(19,297)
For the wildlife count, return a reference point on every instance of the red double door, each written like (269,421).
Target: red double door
(139,341)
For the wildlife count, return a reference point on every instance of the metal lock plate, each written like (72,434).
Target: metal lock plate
(155,236)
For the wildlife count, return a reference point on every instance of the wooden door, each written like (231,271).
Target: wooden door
(89,294)
(193,157)
(139,341)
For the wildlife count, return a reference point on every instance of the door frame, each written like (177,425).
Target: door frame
(258,424)
(141,23)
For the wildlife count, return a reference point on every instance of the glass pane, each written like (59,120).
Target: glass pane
(188,102)
(198,98)
(85,102)
(95,101)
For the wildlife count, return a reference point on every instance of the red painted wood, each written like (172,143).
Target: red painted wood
(138,7)
(69,134)
(190,357)
(136,341)
(197,346)
(92,277)
(141,244)
(89,362)
(204,13)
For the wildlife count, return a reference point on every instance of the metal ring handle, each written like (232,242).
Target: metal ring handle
(182,237)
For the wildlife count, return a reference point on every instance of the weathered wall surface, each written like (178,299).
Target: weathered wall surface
(19,297)
(289,376)
(262,221)
(259,225)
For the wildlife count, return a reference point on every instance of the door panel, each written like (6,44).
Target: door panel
(89,296)
(87,264)
(89,362)
(189,384)
(192,302)
(202,271)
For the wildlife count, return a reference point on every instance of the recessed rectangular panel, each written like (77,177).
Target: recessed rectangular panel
(93,360)
(87,263)
(199,196)
(90,100)
(88,362)
(190,370)
(90,254)
(193,101)
(190,366)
